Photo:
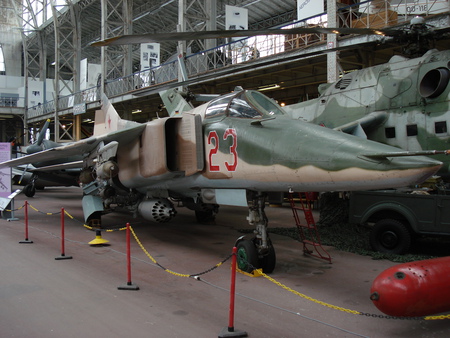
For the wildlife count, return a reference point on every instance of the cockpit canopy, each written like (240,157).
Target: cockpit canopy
(247,104)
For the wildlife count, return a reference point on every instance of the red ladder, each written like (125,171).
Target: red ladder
(308,232)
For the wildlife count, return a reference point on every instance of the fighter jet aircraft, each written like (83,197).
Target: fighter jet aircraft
(232,150)
(57,172)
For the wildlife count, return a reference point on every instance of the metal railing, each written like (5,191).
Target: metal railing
(374,14)
(12,101)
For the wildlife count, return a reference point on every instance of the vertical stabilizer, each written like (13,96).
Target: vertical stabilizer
(106,119)
(175,102)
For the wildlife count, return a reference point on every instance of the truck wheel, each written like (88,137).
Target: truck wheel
(390,236)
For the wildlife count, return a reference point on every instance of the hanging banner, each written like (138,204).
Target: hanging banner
(309,8)
(83,74)
(413,7)
(236,18)
(5,173)
(150,55)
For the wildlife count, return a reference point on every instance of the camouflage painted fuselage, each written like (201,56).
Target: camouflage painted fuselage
(410,97)
(247,142)
(239,144)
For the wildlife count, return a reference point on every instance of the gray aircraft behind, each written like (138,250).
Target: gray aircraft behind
(232,150)
(57,172)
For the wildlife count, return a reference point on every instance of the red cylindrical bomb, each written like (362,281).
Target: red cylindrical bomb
(413,289)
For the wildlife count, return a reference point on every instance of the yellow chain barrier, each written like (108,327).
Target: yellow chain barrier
(93,228)
(439,317)
(11,210)
(168,270)
(309,298)
(45,213)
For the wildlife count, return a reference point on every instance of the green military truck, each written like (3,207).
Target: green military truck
(397,216)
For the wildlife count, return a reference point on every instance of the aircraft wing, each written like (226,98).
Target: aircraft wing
(359,126)
(62,166)
(83,147)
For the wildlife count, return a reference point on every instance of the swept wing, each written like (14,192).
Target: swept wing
(81,147)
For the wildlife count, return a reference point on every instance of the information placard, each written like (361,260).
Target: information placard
(5,173)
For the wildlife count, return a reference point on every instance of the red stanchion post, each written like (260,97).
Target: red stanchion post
(129,285)
(26,241)
(230,330)
(63,254)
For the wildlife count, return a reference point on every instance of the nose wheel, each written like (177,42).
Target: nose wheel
(249,258)
(258,252)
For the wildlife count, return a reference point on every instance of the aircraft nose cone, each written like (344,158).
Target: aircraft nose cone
(399,171)
(420,167)
(359,164)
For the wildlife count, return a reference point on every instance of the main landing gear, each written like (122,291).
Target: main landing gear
(30,188)
(258,252)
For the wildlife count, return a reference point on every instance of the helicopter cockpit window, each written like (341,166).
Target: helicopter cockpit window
(219,106)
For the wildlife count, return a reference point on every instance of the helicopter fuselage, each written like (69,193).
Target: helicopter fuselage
(404,103)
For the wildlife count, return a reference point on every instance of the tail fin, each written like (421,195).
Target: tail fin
(174,101)
(106,119)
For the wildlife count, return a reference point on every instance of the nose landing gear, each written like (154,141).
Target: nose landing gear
(258,252)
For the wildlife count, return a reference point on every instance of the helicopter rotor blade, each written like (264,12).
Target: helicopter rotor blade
(178,36)
(209,76)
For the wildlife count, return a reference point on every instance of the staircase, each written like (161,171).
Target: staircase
(308,233)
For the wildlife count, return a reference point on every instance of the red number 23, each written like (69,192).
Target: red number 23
(230,132)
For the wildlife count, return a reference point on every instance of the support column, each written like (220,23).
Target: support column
(197,15)
(34,53)
(211,23)
(116,60)
(332,58)
(67,60)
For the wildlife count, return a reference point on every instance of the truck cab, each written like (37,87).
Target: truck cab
(397,216)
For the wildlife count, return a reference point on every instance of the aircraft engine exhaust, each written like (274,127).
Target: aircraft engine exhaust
(107,170)
(434,82)
(157,210)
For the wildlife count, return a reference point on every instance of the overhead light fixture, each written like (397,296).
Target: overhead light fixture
(136,111)
(269,87)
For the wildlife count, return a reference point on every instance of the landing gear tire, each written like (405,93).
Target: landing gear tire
(247,256)
(268,261)
(29,190)
(390,236)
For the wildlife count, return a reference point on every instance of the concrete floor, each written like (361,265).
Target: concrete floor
(79,297)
